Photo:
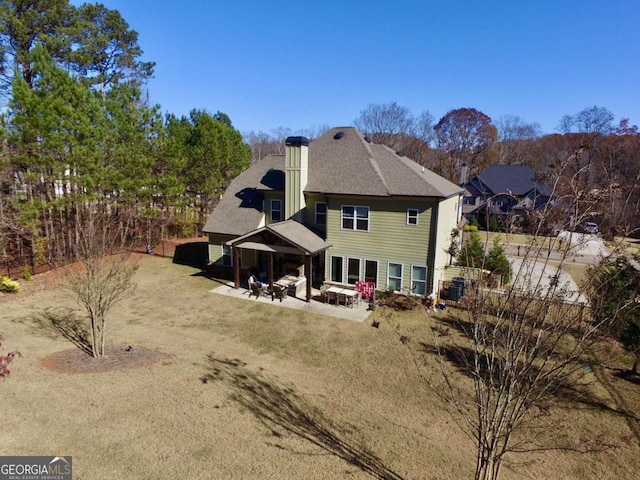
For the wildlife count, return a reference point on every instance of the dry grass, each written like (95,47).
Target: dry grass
(259,391)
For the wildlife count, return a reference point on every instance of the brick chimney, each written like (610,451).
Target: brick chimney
(295,176)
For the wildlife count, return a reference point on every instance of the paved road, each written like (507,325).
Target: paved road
(585,248)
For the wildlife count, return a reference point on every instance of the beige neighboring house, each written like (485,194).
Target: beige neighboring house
(337,210)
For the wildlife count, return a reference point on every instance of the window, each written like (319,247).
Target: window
(418,280)
(336,269)
(355,218)
(276,210)
(469,201)
(353,270)
(227,255)
(371,271)
(412,216)
(321,213)
(394,276)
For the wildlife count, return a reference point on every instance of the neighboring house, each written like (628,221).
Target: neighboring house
(338,210)
(504,190)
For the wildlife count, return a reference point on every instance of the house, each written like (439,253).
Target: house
(337,210)
(508,191)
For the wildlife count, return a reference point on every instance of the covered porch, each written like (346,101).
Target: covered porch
(284,249)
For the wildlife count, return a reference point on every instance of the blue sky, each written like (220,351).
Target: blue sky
(271,63)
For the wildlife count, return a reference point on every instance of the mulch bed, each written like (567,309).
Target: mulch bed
(118,357)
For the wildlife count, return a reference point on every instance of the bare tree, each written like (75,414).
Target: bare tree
(515,139)
(396,127)
(519,351)
(102,276)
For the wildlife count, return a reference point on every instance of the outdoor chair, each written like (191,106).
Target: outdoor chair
(279,292)
(257,290)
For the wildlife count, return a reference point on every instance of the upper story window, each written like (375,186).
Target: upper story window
(321,213)
(469,200)
(276,210)
(412,216)
(355,218)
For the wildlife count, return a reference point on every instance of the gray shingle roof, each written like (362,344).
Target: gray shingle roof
(240,208)
(294,233)
(341,161)
(516,179)
(348,164)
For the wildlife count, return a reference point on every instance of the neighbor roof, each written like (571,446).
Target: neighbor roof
(515,179)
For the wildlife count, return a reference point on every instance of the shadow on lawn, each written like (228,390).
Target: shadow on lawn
(67,323)
(276,405)
(567,391)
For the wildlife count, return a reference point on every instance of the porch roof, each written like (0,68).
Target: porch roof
(297,238)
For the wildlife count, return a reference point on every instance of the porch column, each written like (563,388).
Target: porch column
(309,274)
(236,267)
(270,270)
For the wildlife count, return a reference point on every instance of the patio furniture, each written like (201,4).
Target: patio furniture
(346,296)
(257,290)
(279,291)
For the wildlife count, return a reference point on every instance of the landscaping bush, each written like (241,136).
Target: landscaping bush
(9,286)
(398,301)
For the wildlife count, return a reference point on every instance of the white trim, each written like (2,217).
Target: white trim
(359,269)
(331,257)
(316,213)
(271,209)
(230,255)
(364,271)
(416,216)
(426,278)
(355,218)
(401,274)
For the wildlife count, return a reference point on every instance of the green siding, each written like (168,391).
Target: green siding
(389,238)
(215,247)
(268,196)
(309,217)
(247,257)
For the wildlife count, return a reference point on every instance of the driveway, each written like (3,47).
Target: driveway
(530,275)
(589,246)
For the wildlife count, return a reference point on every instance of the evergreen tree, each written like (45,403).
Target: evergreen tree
(497,262)
(472,252)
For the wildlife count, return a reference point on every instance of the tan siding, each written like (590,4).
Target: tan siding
(447,220)
(389,237)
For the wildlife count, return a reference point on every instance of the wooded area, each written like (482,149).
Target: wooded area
(78,137)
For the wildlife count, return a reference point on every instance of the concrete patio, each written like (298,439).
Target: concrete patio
(358,313)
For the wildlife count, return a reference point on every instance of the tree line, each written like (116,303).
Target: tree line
(591,161)
(78,136)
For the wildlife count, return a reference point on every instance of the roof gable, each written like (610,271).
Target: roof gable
(342,161)
(517,180)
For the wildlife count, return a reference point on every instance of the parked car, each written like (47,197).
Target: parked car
(590,227)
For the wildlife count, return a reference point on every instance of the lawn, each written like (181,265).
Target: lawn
(251,390)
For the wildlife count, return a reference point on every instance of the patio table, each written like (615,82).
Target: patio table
(350,296)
